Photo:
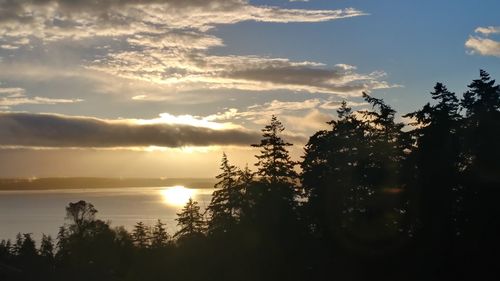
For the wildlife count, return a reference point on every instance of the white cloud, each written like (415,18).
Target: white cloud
(168,42)
(57,19)
(166,118)
(484,46)
(488,30)
(301,117)
(194,70)
(314,120)
(16,96)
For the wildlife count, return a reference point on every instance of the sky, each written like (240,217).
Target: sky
(160,88)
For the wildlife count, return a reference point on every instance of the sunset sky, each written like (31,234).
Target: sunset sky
(160,88)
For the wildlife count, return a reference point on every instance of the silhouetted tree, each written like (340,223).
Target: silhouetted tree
(159,235)
(273,214)
(190,221)
(225,206)
(277,178)
(437,172)
(351,174)
(332,171)
(373,202)
(246,182)
(481,172)
(81,214)
(47,261)
(482,105)
(18,244)
(47,247)
(141,235)
(274,164)
(5,250)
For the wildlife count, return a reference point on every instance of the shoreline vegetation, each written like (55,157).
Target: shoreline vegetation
(61,183)
(371,202)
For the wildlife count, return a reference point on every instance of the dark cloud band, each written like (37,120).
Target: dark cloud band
(50,130)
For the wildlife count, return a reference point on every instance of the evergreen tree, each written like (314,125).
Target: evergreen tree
(482,128)
(274,205)
(225,205)
(190,221)
(351,175)
(140,235)
(275,194)
(436,159)
(28,247)
(47,247)
(47,256)
(274,163)
(159,237)
(62,244)
(5,250)
(481,170)
(387,145)
(332,171)
(245,182)
(18,244)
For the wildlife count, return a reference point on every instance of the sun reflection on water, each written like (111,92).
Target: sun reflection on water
(177,195)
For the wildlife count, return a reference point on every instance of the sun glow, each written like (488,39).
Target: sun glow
(189,120)
(177,195)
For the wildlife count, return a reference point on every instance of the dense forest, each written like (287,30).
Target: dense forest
(371,199)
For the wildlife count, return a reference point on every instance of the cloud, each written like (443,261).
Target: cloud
(299,117)
(16,96)
(57,19)
(314,120)
(488,30)
(482,45)
(261,111)
(12,92)
(190,71)
(52,130)
(167,42)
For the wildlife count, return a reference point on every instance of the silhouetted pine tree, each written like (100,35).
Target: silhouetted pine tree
(246,182)
(47,261)
(5,250)
(332,174)
(225,206)
(140,235)
(351,174)
(382,171)
(387,144)
(190,221)
(481,170)
(437,172)
(274,163)
(482,105)
(273,215)
(47,247)
(159,235)
(275,170)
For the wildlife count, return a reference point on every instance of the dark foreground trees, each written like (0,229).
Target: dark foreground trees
(372,200)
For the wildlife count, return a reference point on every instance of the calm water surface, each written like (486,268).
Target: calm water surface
(43,211)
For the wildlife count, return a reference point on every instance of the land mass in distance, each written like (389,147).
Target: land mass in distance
(96,182)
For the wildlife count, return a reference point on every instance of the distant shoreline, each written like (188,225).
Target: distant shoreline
(10,184)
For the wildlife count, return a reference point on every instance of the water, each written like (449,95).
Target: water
(43,211)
